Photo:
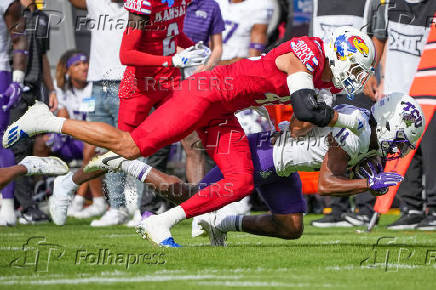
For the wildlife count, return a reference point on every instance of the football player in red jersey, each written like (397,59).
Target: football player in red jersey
(148,49)
(206,102)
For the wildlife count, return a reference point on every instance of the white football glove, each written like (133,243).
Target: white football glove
(192,56)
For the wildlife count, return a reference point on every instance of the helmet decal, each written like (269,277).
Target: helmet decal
(359,45)
(345,47)
(411,115)
(341,47)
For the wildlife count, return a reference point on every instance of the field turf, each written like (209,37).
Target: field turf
(77,256)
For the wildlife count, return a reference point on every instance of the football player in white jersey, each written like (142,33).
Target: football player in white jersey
(246,28)
(389,131)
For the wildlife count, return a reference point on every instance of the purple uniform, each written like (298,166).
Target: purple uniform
(203,19)
(6,156)
(283,195)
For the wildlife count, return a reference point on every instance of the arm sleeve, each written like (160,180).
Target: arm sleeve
(217,24)
(184,41)
(348,141)
(130,55)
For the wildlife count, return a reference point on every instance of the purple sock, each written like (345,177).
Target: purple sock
(6,156)
(6,160)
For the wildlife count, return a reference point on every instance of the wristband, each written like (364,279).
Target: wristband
(18,76)
(257,46)
(20,51)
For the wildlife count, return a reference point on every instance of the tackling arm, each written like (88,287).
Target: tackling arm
(301,88)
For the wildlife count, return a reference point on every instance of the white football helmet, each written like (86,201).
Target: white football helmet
(351,55)
(400,123)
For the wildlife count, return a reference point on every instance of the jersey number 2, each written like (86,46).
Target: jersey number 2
(169,43)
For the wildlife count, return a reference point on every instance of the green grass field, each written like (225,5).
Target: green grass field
(78,256)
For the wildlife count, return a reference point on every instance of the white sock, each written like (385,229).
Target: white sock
(78,201)
(69,183)
(173,216)
(55,125)
(99,201)
(7,206)
(136,168)
(231,223)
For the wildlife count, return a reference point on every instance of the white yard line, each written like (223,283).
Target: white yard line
(106,280)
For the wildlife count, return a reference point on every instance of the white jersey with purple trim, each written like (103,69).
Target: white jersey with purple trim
(239,19)
(307,153)
(77,102)
(4,37)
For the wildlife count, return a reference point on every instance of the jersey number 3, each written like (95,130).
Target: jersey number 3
(169,43)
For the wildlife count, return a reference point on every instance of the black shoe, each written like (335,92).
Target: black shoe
(32,215)
(408,221)
(329,221)
(428,224)
(357,219)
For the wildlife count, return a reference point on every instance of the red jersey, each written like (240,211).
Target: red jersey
(258,81)
(161,34)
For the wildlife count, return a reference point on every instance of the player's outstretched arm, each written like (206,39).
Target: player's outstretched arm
(10,173)
(332,178)
(33,165)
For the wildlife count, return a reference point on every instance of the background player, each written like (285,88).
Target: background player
(11,84)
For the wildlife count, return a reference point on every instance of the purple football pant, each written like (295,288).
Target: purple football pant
(283,195)
(6,156)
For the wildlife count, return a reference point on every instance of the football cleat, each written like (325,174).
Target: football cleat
(44,165)
(156,232)
(33,122)
(209,223)
(169,243)
(109,161)
(60,200)
(32,215)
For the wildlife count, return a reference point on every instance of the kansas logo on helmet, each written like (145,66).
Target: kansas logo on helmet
(346,47)
(359,44)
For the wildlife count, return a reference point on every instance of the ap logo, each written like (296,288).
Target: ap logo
(37,255)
